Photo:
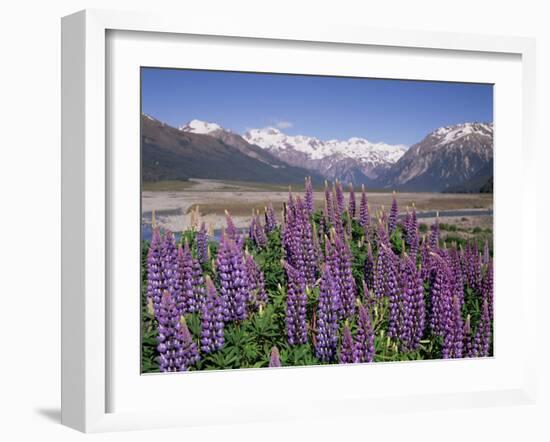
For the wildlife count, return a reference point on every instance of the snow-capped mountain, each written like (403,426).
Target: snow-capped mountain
(444,159)
(173,154)
(234,140)
(341,159)
(449,134)
(316,149)
(200,127)
(447,158)
(354,160)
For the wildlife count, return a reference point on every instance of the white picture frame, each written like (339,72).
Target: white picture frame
(89,174)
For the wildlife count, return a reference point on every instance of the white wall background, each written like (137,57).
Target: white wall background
(30,214)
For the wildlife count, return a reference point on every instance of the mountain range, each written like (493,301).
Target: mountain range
(452,158)
(353,160)
(169,153)
(449,157)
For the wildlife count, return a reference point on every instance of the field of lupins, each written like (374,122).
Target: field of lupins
(327,286)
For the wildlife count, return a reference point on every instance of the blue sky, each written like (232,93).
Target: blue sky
(393,111)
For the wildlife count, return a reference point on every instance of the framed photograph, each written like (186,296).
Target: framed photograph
(253,212)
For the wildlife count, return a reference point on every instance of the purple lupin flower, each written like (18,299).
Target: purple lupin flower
(340,200)
(471,267)
(310,249)
(296,302)
(453,339)
(339,226)
(425,260)
(167,338)
(234,286)
(316,247)
(364,338)
(482,338)
(367,296)
(338,207)
(308,197)
(292,235)
(288,234)
(347,347)
(274,358)
(155,282)
(408,302)
(467,338)
(346,283)
(298,242)
(444,253)
(202,244)
(369,268)
(186,349)
(212,324)
(256,287)
(382,232)
(290,204)
(364,217)
(476,266)
(348,225)
(169,265)
(440,297)
(399,322)
(199,292)
(453,258)
(392,220)
(411,234)
(231,229)
(329,205)
(449,304)
(332,260)
(487,287)
(385,273)
(326,336)
(419,312)
(486,254)
(186,301)
(259,233)
(351,204)
(406,222)
(323,223)
(270,221)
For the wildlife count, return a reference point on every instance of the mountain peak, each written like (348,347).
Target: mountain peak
(200,127)
(352,159)
(445,159)
(264,131)
(449,134)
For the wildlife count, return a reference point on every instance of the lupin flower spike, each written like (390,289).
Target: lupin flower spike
(274,358)
(347,347)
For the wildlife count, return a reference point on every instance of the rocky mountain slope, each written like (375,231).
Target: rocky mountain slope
(457,158)
(172,154)
(445,159)
(355,160)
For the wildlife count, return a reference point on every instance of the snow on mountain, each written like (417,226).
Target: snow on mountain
(169,153)
(446,158)
(355,159)
(450,134)
(316,149)
(200,127)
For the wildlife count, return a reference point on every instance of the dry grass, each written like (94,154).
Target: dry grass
(167,186)
(213,197)
(240,204)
